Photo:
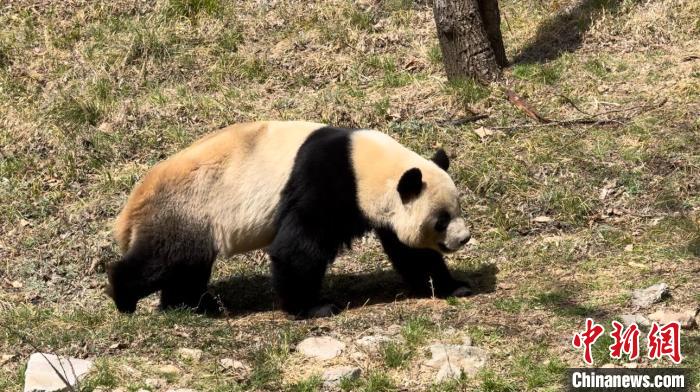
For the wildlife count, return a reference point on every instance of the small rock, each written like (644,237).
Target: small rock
(393,329)
(191,354)
(156,383)
(322,348)
(168,370)
(40,376)
(685,318)
(542,219)
(644,298)
(5,358)
(240,370)
(371,343)
(629,248)
(333,375)
(629,319)
(467,340)
(452,360)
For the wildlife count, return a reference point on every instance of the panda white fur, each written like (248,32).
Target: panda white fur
(303,191)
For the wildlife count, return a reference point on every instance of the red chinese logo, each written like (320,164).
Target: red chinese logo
(625,341)
(665,340)
(586,339)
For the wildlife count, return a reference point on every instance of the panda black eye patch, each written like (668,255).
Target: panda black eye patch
(443,220)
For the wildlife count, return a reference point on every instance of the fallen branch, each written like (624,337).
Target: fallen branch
(465,120)
(591,119)
(521,104)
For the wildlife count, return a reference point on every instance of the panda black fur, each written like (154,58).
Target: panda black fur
(301,190)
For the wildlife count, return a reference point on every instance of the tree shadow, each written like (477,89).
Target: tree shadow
(564,32)
(241,295)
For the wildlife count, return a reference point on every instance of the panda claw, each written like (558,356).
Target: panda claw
(462,291)
(321,311)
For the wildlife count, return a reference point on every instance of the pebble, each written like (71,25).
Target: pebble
(372,343)
(452,360)
(321,348)
(334,375)
(191,354)
(640,320)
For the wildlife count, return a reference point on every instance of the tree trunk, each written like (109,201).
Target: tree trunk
(470,38)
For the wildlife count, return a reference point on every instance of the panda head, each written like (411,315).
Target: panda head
(426,212)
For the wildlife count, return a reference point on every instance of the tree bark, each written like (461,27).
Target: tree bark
(470,38)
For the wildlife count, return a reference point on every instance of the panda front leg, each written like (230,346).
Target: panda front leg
(298,268)
(423,270)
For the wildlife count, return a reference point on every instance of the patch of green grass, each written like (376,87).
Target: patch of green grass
(540,73)
(377,382)
(435,55)
(491,382)
(539,371)
(569,203)
(560,303)
(416,330)
(230,40)
(103,375)
(76,111)
(362,19)
(395,355)
(397,5)
(255,70)
(191,8)
(468,91)
(310,384)
(596,68)
(510,305)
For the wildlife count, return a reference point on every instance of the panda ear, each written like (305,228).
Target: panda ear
(441,159)
(410,184)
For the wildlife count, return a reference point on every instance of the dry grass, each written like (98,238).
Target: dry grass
(92,94)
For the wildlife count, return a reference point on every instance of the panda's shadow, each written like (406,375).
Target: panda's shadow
(241,295)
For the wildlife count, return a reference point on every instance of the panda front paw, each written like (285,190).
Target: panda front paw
(462,291)
(321,311)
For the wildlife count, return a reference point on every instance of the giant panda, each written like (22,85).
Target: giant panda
(301,190)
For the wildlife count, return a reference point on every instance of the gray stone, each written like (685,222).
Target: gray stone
(190,354)
(321,348)
(644,298)
(629,319)
(685,318)
(372,343)
(334,375)
(40,376)
(169,370)
(453,359)
(156,383)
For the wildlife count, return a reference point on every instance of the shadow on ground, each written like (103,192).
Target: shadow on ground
(242,295)
(563,32)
